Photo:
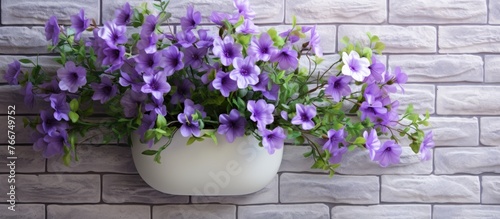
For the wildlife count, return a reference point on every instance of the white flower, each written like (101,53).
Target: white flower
(355,66)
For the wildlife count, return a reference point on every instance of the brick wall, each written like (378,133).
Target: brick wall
(450,50)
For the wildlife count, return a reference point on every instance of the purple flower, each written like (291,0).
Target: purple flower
(147,122)
(50,125)
(114,56)
(194,56)
(149,25)
(245,72)
(248,27)
(284,115)
(147,63)
(273,140)
(156,85)
(186,38)
(286,58)
(52,30)
(315,41)
(105,90)
(355,66)
(49,88)
(79,23)
(388,153)
(224,83)
(372,142)
(148,43)
(130,101)
(304,116)
(55,144)
(243,9)
(71,77)
(338,87)
(173,60)
(113,34)
(372,109)
(183,91)
(335,139)
(232,125)
(124,15)
(226,50)
(133,79)
(273,93)
(219,17)
(60,106)
(337,154)
(376,70)
(262,112)
(262,49)
(157,106)
(192,19)
(29,98)
(190,126)
(12,73)
(426,146)
(390,79)
(291,36)
(262,84)
(205,39)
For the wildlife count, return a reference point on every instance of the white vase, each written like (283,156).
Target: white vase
(206,168)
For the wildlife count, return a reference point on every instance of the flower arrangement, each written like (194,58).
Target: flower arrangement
(236,81)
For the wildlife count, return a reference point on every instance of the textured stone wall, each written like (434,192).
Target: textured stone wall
(449,48)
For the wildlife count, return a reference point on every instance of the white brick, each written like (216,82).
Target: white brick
(336,11)
(467,160)
(294,160)
(398,39)
(309,211)
(382,212)
(469,39)
(438,11)
(23,211)
(442,189)
(358,162)
(321,188)
(25,40)
(490,131)
(194,211)
(48,64)
(466,211)
(494,12)
(98,211)
(268,194)
(492,68)
(439,68)
(468,100)
(491,189)
(15,11)
(454,131)
(422,97)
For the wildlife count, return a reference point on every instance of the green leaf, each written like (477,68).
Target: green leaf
(379,47)
(294,21)
(149,152)
(191,140)
(26,61)
(359,141)
(73,116)
(308,154)
(345,40)
(74,105)
(161,122)
(212,135)
(351,147)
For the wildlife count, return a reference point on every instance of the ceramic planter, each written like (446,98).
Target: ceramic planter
(206,168)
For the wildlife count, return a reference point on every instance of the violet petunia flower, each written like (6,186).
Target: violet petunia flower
(232,125)
(372,142)
(355,66)
(426,146)
(157,106)
(29,97)
(292,37)
(389,153)
(337,154)
(192,19)
(273,140)
(372,109)
(262,48)
(245,72)
(284,115)
(248,27)
(273,93)
(79,23)
(377,69)
(55,145)
(60,106)
(148,63)
(205,39)
(52,30)
(186,38)
(156,85)
(134,80)
(130,101)
(149,25)
(148,43)
(12,73)
(173,60)
(336,139)
(286,58)
(338,87)
(315,41)
(243,9)
(113,34)
(304,116)
(262,112)
(50,125)
(183,91)
(219,17)
(397,77)
(224,83)
(194,56)
(114,56)
(147,122)
(124,16)
(226,50)
(189,126)
(262,84)
(49,88)
(104,91)
(71,77)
